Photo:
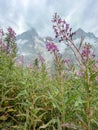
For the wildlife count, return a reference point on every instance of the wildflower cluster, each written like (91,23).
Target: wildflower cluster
(66,60)
(63,32)
(79,73)
(41,58)
(7,41)
(62,29)
(87,52)
(11,33)
(19,61)
(10,41)
(2,44)
(1,33)
(51,47)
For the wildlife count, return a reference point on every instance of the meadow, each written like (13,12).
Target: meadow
(32,98)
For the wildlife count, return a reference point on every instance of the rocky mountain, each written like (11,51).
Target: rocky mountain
(88,38)
(82,33)
(30,45)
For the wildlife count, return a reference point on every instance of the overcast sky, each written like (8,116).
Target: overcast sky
(25,14)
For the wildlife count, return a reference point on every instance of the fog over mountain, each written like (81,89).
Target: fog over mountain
(30,44)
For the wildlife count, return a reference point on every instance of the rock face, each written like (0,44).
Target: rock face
(88,38)
(30,45)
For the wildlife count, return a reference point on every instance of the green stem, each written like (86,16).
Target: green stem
(87,99)
(63,102)
(61,84)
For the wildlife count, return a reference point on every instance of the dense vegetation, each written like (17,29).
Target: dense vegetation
(31,98)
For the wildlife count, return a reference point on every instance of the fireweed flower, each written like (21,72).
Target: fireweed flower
(1,32)
(2,45)
(96,60)
(0,42)
(61,28)
(96,78)
(66,61)
(20,60)
(11,32)
(67,27)
(50,46)
(79,73)
(59,21)
(30,64)
(63,32)
(87,52)
(41,58)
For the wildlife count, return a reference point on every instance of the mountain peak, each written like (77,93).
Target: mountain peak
(29,34)
(81,33)
(80,30)
(32,31)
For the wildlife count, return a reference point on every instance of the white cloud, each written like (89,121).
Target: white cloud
(24,14)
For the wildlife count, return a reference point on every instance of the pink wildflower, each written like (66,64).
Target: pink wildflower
(87,52)
(1,32)
(96,78)
(79,73)
(41,58)
(11,32)
(20,60)
(62,29)
(4,47)
(51,47)
(66,60)
(30,65)
(96,60)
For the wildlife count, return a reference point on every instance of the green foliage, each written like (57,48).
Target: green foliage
(31,99)
(34,99)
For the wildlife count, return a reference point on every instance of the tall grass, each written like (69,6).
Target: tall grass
(33,99)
